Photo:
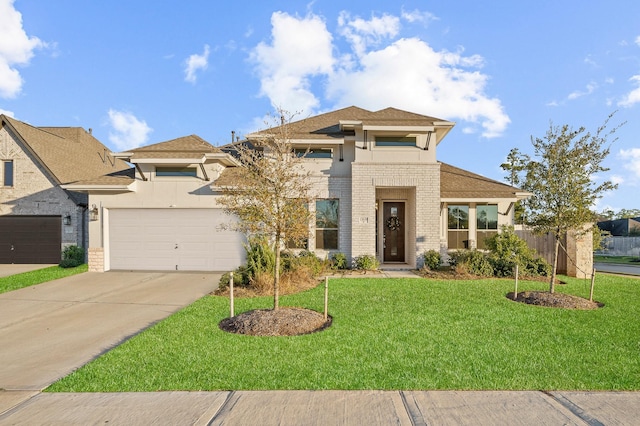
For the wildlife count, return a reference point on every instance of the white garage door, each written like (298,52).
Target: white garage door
(172,240)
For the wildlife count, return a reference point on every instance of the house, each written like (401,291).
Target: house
(38,218)
(379,186)
(621,227)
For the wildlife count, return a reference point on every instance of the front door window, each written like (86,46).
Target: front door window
(393,231)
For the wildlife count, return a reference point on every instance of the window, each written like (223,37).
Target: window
(327,224)
(395,141)
(458,235)
(314,153)
(486,223)
(176,171)
(7,173)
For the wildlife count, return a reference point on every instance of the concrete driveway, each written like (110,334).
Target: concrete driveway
(51,329)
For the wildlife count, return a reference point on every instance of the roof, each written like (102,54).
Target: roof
(327,125)
(456,183)
(192,146)
(69,154)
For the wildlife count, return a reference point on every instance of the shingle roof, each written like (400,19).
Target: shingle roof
(119,178)
(462,184)
(455,183)
(327,125)
(68,153)
(191,146)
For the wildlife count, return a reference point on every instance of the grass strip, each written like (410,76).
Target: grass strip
(39,276)
(390,334)
(622,260)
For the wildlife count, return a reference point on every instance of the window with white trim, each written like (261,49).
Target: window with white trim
(7,173)
(327,220)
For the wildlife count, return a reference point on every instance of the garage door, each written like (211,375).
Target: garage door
(172,240)
(30,239)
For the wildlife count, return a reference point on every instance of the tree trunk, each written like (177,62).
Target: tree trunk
(276,276)
(552,284)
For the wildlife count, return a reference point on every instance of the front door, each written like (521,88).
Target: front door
(393,231)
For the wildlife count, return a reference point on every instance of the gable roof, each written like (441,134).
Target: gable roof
(459,184)
(68,154)
(327,125)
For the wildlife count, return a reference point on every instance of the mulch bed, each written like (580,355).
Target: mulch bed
(281,322)
(554,300)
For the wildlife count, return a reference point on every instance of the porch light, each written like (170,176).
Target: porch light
(93,213)
(67,220)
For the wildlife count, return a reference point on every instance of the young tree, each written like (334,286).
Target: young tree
(561,179)
(270,192)
(515,165)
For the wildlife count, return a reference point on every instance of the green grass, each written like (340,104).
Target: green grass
(626,260)
(390,334)
(26,279)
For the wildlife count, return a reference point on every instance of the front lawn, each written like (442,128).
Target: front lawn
(390,334)
(26,279)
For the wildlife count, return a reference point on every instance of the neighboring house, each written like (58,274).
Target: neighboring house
(379,188)
(621,227)
(38,218)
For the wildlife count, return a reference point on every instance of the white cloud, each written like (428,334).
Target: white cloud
(631,159)
(300,49)
(128,131)
(616,179)
(637,40)
(196,63)
(633,97)
(7,113)
(378,71)
(16,48)
(363,34)
(419,16)
(590,88)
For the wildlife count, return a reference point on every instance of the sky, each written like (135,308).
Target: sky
(139,72)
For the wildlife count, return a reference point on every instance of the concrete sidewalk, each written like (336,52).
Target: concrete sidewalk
(327,408)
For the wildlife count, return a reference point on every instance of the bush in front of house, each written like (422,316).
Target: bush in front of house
(72,256)
(432,260)
(507,249)
(308,260)
(471,262)
(366,262)
(339,261)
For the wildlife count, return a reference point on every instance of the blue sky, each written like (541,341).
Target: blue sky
(140,72)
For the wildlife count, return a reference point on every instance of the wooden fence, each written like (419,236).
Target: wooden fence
(545,246)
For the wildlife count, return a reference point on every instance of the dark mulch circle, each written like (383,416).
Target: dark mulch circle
(554,300)
(281,322)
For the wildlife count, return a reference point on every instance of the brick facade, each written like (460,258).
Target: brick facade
(34,193)
(418,185)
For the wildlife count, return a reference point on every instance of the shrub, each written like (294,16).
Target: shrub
(366,262)
(473,262)
(72,256)
(339,261)
(240,278)
(432,260)
(507,250)
(260,257)
(308,260)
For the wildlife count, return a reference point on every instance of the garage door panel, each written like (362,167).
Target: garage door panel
(170,239)
(30,239)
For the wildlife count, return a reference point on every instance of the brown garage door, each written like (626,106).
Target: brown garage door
(30,239)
